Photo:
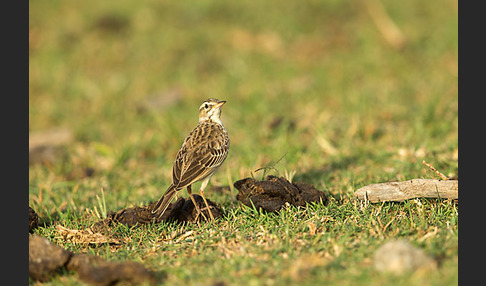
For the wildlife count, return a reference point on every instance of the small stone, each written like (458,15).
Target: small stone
(399,257)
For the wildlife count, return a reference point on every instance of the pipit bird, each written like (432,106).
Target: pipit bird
(202,152)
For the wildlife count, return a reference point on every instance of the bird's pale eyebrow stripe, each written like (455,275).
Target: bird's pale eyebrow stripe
(208,103)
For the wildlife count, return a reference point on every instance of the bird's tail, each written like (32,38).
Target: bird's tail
(165,200)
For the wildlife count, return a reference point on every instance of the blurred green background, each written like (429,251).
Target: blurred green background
(348,92)
(322,69)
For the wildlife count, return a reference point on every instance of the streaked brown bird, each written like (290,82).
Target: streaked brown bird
(203,151)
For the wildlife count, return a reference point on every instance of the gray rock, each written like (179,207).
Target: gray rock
(399,257)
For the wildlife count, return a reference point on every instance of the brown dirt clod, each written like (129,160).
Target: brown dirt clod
(33,219)
(94,270)
(274,192)
(46,259)
(182,210)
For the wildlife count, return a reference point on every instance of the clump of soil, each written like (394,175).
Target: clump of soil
(274,192)
(180,211)
(94,270)
(47,259)
(33,219)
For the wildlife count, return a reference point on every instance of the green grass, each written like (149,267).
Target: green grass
(352,110)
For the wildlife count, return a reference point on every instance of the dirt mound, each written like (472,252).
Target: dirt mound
(180,211)
(273,193)
(47,259)
(33,219)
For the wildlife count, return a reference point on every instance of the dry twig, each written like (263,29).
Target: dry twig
(442,176)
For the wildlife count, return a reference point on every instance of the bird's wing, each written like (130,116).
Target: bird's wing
(204,149)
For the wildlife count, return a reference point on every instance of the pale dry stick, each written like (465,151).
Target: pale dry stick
(392,34)
(442,176)
(415,188)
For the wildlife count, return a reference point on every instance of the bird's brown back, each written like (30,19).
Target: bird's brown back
(202,152)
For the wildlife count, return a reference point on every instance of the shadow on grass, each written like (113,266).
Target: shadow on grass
(327,172)
(324,172)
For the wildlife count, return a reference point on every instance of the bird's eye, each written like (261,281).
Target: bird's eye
(206,106)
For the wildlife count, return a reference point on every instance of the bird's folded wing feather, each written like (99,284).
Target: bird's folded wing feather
(204,149)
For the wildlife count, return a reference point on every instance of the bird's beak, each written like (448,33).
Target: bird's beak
(219,104)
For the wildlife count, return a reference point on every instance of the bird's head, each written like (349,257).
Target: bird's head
(210,110)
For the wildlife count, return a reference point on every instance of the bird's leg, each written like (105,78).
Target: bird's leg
(195,205)
(203,186)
